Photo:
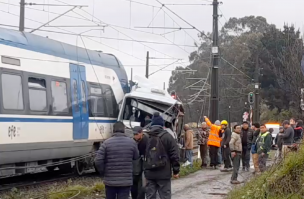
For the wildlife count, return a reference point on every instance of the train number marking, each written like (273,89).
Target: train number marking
(12,132)
(101,129)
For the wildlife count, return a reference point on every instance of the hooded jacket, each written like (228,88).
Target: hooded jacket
(214,135)
(165,173)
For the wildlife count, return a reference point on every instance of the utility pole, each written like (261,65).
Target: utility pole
(229,115)
(147,65)
(256,114)
(214,104)
(164,86)
(131,74)
(22,15)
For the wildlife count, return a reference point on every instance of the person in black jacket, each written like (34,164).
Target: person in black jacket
(159,180)
(279,142)
(114,162)
(247,137)
(225,146)
(298,131)
(137,190)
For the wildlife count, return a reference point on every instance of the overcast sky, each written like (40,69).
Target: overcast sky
(123,16)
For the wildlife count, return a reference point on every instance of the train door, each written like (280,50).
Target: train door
(79,102)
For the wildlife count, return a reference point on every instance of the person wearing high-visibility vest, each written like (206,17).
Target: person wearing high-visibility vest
(263,144)
(214,141)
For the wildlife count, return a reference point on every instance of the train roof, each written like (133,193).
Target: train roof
(48,46)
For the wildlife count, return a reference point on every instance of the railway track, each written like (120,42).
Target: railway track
(38,179)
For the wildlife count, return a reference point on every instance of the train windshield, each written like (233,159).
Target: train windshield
(138,106)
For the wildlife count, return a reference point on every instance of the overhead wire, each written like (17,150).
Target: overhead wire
(117,30)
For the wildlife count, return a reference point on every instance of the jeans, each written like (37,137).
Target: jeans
(236,166)
(219,154)
(246,157)
(117,192)
(163,187)
(189,156)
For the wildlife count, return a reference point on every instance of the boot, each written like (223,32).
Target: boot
(235,182)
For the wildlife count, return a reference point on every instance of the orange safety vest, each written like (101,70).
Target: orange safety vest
(214,138)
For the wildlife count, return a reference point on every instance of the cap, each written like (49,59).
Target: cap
(245,122)
(137,129)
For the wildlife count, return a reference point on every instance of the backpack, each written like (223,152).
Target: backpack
(156,155)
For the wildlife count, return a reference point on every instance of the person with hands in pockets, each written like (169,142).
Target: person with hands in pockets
(235,145)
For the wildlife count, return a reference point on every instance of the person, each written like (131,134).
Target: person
(202,139)
(292,122)
(263,147)
(271,131)
(137,191)
(161,158)
(189,143)
(255,156)
(168,127)
(225,145)
(287,137)
(247,136)
(298,131)
(214,141)
(117,170)
(235,146)
(279,143)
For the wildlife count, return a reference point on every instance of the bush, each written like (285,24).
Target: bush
(284,180)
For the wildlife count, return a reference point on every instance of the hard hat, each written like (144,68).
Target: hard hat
(224,122)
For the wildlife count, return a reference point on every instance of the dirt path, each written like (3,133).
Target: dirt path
(206,183)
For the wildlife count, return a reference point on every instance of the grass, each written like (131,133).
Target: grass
(284,180)
(86,188)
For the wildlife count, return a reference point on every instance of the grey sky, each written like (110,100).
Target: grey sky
(117,12)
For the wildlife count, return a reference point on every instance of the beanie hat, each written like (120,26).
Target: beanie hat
(217,122)
(157,120)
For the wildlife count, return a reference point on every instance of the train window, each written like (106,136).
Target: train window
(59,96)
(109,97)
(83,97)
(37,94)
(96,101)
(97,106)
(75,95)
(12,92)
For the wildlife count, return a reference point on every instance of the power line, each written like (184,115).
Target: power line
(120,32)
(187,4)
(163,68)
(164,5)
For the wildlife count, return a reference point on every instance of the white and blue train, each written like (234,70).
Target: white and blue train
(57,101)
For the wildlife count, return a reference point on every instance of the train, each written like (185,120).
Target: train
(59,103)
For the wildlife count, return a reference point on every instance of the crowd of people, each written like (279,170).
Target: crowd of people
(144,165)
(245,142)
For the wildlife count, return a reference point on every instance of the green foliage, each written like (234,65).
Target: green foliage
(247,44)
(188,170)
(274,116)
(282,181)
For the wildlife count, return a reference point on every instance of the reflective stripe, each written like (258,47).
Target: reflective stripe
(214,135)
(214,140)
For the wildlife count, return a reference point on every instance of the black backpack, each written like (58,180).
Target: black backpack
(156,155)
